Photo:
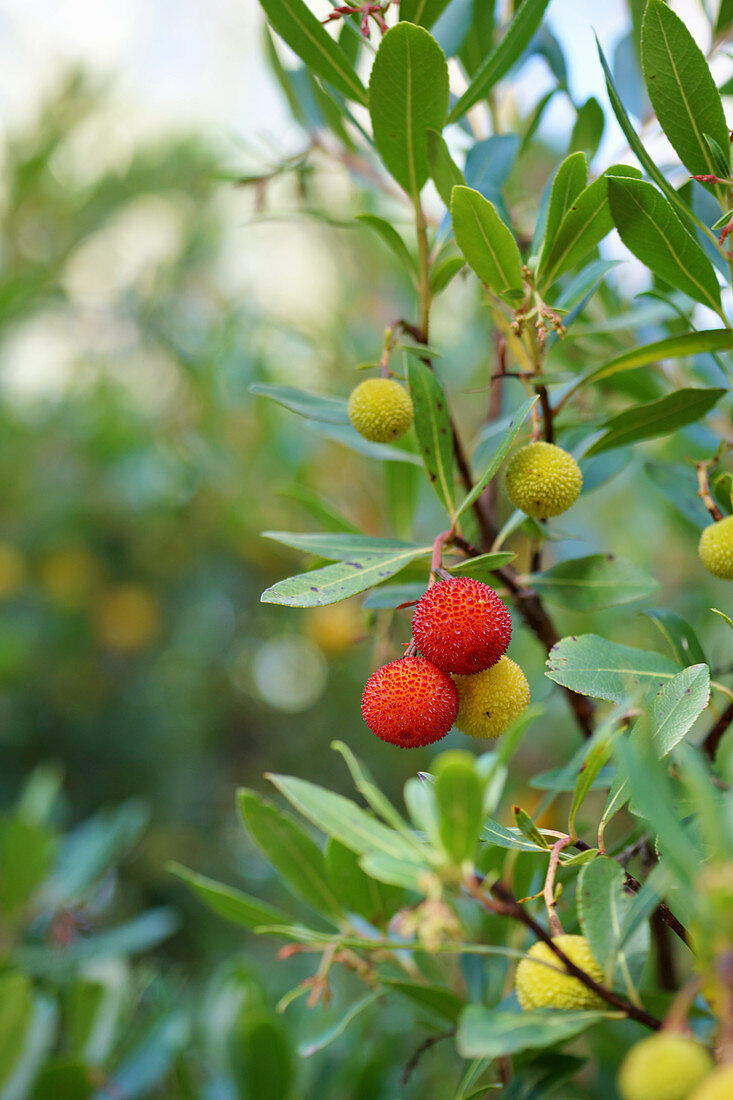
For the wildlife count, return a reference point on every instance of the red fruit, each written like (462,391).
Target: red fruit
(461,626)
(409,702)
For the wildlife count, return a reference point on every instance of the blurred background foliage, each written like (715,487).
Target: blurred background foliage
(138,471)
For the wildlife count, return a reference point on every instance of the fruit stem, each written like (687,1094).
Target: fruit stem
(436,562)
(548,893)
(704,491)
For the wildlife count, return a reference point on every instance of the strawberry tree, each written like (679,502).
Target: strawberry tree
(510,940)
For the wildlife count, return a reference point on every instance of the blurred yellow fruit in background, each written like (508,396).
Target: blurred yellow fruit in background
(336,627)
(12,570)
(127,617)
(70,575)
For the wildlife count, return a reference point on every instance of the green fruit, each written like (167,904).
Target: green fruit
(716,548)
(381,410)
(489,701)
(550,986)
(718,1085)
(663,1067)
(543,480)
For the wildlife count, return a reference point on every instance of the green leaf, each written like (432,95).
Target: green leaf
(340,546)
(588,128)
(408,95)
(570,179)
(603,906)
(349,437)
(487,243)
(297,25)
(424,12)
(395,872)
(517,420)
(290,851)
(389,596)
(357,892)
(494,1032)
(674,347)
(314,406)
(459,796)
(444,171)
(63,1080)
(584,226)
(518,36)
(656,418)
(494,833)
(311,1046)
(317,507)
(638,148)
(434,432)
(597,757)
(594,666)
(226,902)
(593,582)
(337,582)
(681,89)
(650,229)
(378,801)
(26,852)
(16,1006)
(340,817)
(483,566)
(444,272)
(435,998)
(261,1056)
(391,238)
(681,637)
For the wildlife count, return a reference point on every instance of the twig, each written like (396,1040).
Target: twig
(548,893)
(704,490)
(711,742)
(510,907)
(423,1049)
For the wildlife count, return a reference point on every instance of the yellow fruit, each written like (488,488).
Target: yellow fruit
(718,1085)
(663,1067)
(12,570)
(489,701)
(716,548)
(381,410)
(543,480)
(336,627)
(128,617)
(69,576)
(540,986)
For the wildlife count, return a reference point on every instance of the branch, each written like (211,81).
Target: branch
(423,1049)
(510,907)
(711,742)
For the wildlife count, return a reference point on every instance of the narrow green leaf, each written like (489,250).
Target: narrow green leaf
(408,95)
(588,128)
(444,171)
(673,347)
(340,817)
(444,272)
(376,799)
(681,89)
(297,25)
(656,418)
(340,546)
(391,238)
(603,906)
(318,508)
(389,596)
(357,892)
(349,437)
(314,406)
(681,637)
(434,432)
(487,243)
(435,998)
(395,872)
(584,226)
(227,902)
(423,12)
(593,582)
(494,833)
(594,666)
(16,1007)
(260,1055)
(483,566)
(291,852)
(309,1047)
(517,38)
(650,229)
(459,795)
(570,179)
(494,1032)
(337,582)
(517,420)
(637,146)
(597,758)
(26,853)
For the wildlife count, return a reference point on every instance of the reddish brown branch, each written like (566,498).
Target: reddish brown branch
(711,742)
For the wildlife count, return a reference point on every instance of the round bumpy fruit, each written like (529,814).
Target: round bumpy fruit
(716,548)
(538,986)
(489,701)
(718,1085)
(666,1066)
(409,702)
(543,480)
(381,410)
(461,626)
